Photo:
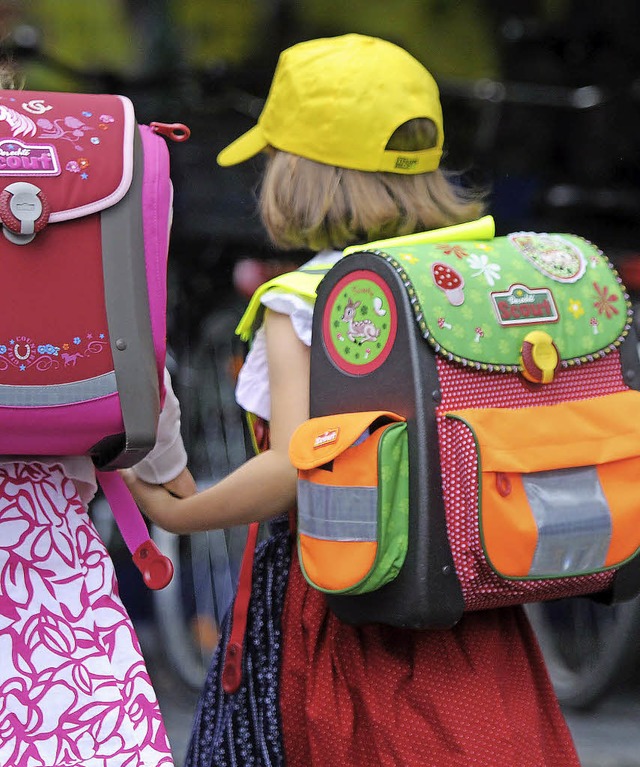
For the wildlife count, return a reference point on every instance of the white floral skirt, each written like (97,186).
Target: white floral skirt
(74,689)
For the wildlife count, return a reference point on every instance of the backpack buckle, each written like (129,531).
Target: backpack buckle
(539,358)
(24,210)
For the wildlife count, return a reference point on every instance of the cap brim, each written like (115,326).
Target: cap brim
(243,148)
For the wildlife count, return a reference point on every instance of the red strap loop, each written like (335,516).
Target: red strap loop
(232,669)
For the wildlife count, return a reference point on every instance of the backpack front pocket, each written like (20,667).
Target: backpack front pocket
(558,485)
(353,500)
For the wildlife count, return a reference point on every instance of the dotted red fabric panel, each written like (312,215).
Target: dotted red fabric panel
(476,695)
(466,388)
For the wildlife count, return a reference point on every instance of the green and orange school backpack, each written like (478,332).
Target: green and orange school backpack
(474,439)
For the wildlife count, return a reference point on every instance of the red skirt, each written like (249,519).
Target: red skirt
(476,695)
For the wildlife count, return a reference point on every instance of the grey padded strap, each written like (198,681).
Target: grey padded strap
(128,317)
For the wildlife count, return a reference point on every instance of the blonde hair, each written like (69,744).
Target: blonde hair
(305,204)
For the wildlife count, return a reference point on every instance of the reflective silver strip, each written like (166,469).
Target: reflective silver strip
(337,513)
(573,520)
(58,394)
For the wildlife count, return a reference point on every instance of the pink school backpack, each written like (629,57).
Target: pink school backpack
(85,207)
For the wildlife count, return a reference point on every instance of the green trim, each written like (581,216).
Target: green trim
(393,508)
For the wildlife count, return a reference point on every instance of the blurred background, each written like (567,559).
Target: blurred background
(541,102)
(541,98)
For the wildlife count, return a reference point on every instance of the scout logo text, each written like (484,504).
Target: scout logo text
(19,159)
(524,306)
(405,163)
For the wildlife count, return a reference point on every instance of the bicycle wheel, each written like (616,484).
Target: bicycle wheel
(213,424)
(588,647)
(189,610)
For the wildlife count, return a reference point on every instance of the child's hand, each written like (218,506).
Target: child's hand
(160,503)
(183,485)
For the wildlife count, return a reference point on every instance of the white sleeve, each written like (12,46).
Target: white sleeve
(299,309)
(168,457)
(252,388)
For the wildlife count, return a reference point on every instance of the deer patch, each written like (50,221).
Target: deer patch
(359,330)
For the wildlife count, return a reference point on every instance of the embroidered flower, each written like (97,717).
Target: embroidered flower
(48,349)
(605,302)
(575,307)
(453,250)
(483,266)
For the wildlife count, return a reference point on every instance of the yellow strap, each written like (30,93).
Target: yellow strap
(481,229)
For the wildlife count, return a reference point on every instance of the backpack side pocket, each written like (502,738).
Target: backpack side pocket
(353,500)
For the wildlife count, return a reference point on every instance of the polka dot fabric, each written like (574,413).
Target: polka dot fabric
(465,388)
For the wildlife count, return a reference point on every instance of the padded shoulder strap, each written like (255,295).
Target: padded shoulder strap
(130,331)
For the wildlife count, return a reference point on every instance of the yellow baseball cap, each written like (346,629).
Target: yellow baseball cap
(338,100)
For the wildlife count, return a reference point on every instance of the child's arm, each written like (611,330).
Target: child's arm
(264,486)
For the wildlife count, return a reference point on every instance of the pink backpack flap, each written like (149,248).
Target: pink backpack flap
(85,205)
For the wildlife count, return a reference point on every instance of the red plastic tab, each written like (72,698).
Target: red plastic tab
(174,131)
(30,196)
(156,568)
